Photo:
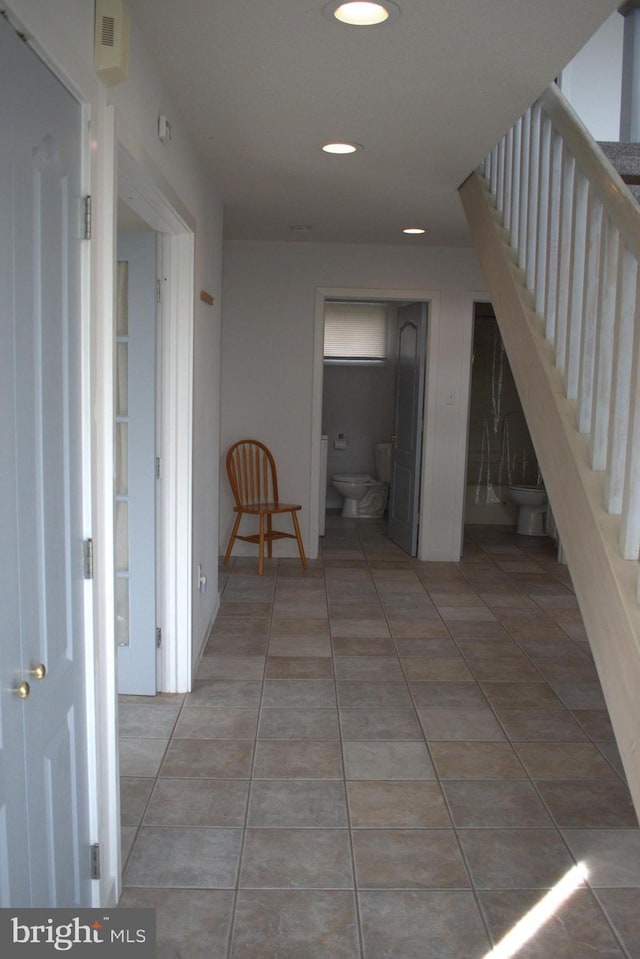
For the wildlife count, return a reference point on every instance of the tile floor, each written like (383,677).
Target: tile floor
(384,759)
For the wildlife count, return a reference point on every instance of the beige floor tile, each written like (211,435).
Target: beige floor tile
(296,859)
(288,759)
(387,761)
(503,803)
(515,858)
(208,759)
(564,761)
(408,859)
(191,923)
(577,929)
(409,804)
(292,923)
(197,802)
(445,743)
(476,760)
(415,924)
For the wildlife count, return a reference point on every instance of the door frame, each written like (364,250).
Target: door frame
(175,227)
(474,298)
(428,460)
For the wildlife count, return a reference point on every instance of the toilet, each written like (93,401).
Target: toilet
(532,507)
(365,497)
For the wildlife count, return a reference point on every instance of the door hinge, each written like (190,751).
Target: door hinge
(157,467)
(95,861)
(87,558)
(158,291)
(87,218)
(158,637)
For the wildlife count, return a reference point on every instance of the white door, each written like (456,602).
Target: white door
(136,464)
(404,494)
(44,832)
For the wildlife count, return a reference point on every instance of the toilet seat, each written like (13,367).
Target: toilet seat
(353,478)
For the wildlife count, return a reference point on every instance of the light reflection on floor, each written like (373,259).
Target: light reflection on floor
(535,919)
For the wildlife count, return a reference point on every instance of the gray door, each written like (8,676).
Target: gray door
(404,495)
(136,464)
(44,832)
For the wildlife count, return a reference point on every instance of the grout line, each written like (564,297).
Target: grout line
(356,891)
(236,890)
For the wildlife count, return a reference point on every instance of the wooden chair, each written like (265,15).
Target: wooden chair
(252,474)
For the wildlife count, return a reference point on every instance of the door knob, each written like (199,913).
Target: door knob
(39,671)
(23,690)
(394,437)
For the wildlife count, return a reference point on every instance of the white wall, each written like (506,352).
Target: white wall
(62,32)
(268,388)
(592,82)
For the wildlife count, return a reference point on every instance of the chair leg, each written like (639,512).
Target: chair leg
(261,547)
(269,532)
(232,539)
(303,558)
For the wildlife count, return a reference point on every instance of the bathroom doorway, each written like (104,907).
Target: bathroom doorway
(500,452)
(370,401)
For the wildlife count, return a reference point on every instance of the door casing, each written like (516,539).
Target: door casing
(432,298)
(176,229)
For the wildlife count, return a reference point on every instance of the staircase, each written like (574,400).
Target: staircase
(558,237)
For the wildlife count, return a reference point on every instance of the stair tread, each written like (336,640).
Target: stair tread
(625,158)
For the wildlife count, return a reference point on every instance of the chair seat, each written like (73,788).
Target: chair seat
(263,508)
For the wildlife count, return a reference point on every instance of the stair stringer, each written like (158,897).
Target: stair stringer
(605,584)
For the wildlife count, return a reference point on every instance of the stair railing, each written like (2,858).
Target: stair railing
(575,231)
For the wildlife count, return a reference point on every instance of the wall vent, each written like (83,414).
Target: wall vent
(108,31)
(111,41)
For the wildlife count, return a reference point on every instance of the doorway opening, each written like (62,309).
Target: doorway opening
(372,416)
(500,452)
(145,208)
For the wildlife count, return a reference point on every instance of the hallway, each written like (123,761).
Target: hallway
(383,759)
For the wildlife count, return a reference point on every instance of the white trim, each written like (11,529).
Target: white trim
(432,297)
(174,674)
(147,192)
(91,628)
(105,704)
(214,615)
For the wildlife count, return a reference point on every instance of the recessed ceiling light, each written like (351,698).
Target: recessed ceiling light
(414,230)
(341,148)
(362,13)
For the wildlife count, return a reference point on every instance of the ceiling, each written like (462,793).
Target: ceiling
(261,84)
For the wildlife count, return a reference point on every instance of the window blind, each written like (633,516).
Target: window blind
(355,331)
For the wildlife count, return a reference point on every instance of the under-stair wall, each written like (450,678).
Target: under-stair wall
(558,237)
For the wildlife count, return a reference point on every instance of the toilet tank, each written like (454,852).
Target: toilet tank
(382,453)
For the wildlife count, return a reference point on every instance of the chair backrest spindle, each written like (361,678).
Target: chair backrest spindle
(252,473)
